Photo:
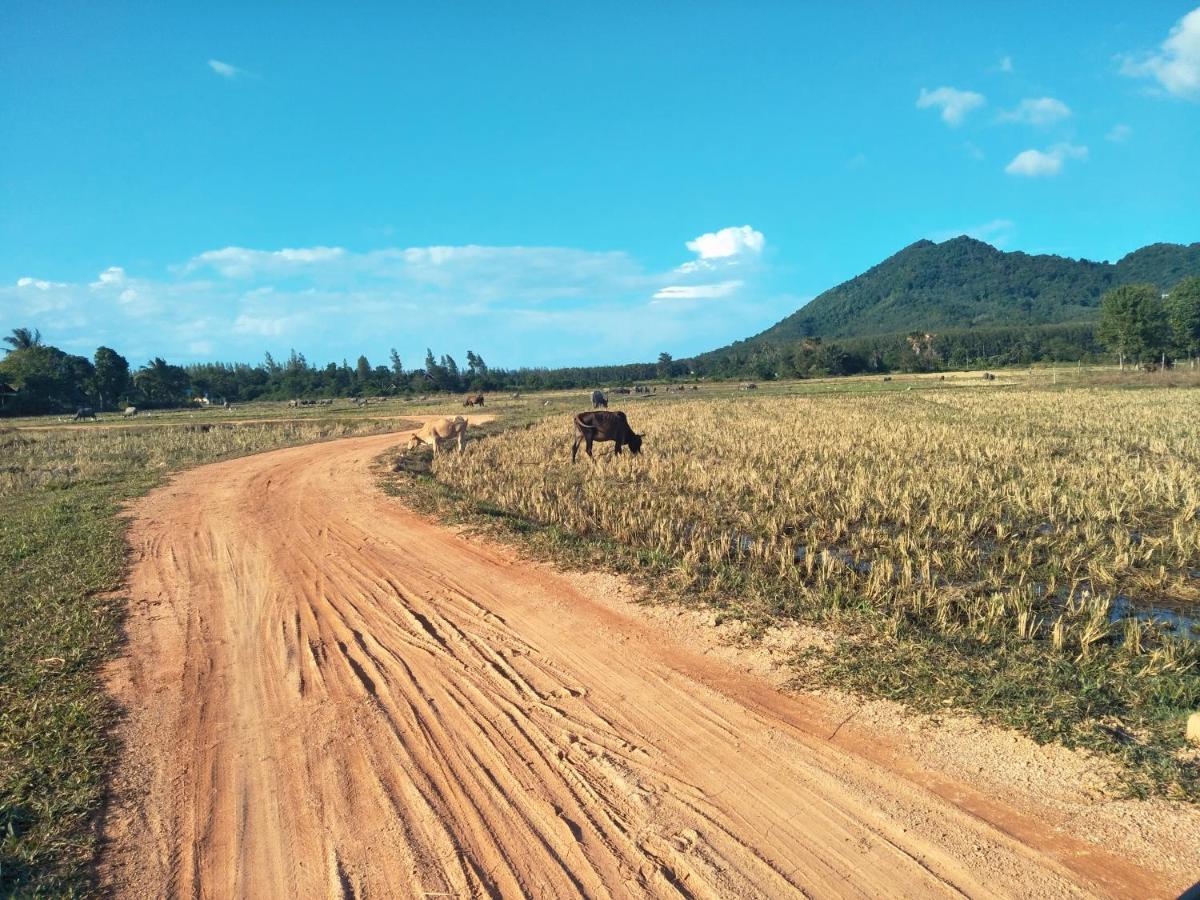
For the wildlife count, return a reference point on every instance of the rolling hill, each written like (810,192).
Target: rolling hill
(966,283)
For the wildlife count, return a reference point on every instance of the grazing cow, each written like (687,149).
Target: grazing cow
(516,396)
(477,400)
(130,412)
(84,412)
(988,376)
(439,430)
(749,386)
(292,404)
(604,426)
(599,400)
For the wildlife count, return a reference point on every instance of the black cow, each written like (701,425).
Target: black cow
(599,400)
(84,412)
(604,426)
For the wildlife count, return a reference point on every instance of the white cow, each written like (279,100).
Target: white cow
(433,433)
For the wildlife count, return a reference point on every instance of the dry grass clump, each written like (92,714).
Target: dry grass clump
(1016,553)
(974,513)
(35,458)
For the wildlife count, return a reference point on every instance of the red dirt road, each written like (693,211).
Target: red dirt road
(329,696)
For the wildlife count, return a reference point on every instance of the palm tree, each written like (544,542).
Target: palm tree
(23,339)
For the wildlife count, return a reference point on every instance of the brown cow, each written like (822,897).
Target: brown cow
(603,425)
(477,400)
(439,430)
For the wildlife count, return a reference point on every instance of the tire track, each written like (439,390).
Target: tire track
(328,696)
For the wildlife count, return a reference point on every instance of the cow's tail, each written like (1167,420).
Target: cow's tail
(582,425)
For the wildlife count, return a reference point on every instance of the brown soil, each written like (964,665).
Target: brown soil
(328,695)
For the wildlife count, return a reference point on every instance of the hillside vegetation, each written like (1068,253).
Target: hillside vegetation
(965,283)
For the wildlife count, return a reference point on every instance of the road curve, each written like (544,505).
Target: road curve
(327,695)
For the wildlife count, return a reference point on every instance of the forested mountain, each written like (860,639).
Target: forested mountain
(965,283)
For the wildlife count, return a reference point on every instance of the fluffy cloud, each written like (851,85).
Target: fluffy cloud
(728,242)
(39,284)
(516,305)
(111,275)
(1039,163)
(1037,111)
(953,103)
(1176,65)
(723,250)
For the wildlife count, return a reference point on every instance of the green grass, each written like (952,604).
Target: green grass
(62,563)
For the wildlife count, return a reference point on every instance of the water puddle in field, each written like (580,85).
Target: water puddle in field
(1178,617)
(1182,619)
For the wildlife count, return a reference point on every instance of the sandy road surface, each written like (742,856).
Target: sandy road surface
(328,695)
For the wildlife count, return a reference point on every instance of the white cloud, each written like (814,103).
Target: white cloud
(697,291)
(1005,64)
(954,104)
(110,276)
(1037,111)
(1039,163)
(39,284)
(727,242)
(1176,65)
(1119,133)
(516,304)
(225,70)
(238,262)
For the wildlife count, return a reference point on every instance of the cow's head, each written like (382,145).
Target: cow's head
(413,441)
(635,442)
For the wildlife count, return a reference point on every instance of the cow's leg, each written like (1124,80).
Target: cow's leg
(589,447)
(575,446)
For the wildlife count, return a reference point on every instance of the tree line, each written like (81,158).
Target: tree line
(1137,324)
(36,378)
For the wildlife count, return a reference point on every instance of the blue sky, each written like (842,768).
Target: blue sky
(557,183)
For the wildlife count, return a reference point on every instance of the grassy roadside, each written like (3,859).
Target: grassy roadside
(1102,697)
(62,561)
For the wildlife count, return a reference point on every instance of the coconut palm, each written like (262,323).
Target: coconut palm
(23,339)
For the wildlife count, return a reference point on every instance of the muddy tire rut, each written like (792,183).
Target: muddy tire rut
(327,695)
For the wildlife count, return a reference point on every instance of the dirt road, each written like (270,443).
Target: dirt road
(328,695)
